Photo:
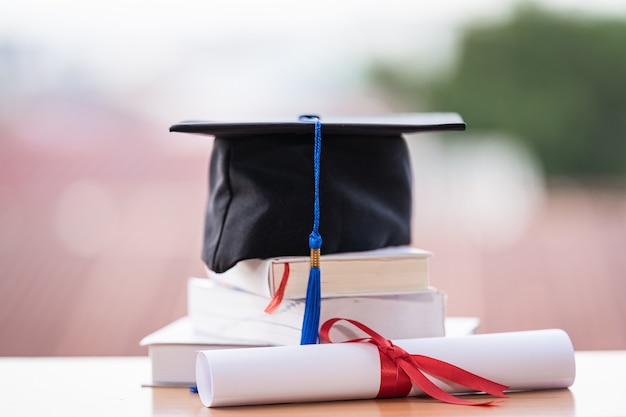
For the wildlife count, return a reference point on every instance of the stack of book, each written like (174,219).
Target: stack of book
(388,290)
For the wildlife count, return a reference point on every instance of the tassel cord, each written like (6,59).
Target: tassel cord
(311,320)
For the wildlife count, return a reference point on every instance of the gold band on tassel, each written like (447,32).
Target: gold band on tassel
(315,258)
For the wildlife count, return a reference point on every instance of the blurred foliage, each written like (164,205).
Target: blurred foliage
(554,81)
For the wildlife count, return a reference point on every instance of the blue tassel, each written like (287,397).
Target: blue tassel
(311,321)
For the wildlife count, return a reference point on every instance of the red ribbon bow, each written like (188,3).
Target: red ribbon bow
(400,370)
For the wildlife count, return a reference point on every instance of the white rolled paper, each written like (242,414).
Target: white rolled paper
(528,360)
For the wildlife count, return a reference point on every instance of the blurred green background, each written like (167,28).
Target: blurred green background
(101,209)
(554,81)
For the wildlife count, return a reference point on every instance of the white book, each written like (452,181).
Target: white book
(392,270)
(218,309)
(172,350)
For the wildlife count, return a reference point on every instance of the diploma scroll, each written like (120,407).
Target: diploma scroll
(528,360)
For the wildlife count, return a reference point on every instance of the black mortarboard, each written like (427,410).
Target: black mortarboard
(261,184)
(269,181)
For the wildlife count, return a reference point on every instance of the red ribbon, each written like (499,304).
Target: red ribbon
(400,370)
(279,293)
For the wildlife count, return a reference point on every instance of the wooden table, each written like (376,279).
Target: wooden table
(112,386)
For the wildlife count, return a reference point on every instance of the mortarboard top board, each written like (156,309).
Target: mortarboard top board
(381,125)
(261,184)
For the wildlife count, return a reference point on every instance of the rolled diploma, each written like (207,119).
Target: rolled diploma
(528,360)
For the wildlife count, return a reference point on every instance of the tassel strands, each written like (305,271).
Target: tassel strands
(311,321)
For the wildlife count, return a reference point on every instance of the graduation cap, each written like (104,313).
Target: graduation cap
(269,181)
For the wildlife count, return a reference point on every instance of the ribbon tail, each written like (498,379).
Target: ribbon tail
(453,373)
(418,364)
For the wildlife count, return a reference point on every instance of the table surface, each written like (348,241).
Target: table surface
(112,386)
